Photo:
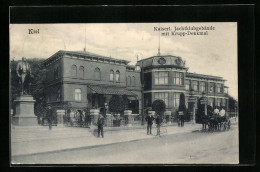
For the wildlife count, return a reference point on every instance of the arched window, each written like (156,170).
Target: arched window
(81,72)
(133,81)
(111,75)
(117,76)
(74,71)
(97,74)
(129,81)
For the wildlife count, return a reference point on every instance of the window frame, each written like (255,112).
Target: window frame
(81,69)
(74,70)
(97,74)
(112,73)
(159,75)
(158,96)
(117,76)
(77,94)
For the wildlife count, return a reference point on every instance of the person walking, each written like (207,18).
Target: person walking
(149,120)
(100,124)
(158,121)
(181,117)
(49,116)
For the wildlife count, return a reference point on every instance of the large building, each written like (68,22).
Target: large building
(79,80)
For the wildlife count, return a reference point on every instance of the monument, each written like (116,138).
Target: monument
(24,104)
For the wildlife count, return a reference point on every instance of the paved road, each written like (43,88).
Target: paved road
(189,148)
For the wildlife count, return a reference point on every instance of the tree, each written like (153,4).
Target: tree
(182,105)
(231,103)
(159,107)
(116,104)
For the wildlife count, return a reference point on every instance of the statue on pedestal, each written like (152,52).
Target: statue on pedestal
(23,71)
(24,104)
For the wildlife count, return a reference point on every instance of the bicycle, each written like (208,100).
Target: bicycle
(163,130)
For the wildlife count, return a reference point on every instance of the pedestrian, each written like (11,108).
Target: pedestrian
(181,117)
(149,120)
(49,116)
(100,124)
(158,121)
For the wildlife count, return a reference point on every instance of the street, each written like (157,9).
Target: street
(182,148)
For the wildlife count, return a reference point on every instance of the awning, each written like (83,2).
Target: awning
(110,90)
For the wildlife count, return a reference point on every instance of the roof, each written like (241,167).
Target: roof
(84,54)
(110,90)
(196,75)
(162,60)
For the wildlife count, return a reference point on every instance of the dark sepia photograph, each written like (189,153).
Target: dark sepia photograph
(124,93)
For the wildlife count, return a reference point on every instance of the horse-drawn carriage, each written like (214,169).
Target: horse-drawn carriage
(215,122)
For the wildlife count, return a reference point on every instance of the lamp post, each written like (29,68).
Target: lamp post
(204,101)
(192,101)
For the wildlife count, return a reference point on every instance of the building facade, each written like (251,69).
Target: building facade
(79,80)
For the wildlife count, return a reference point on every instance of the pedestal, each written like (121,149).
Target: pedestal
(128,117)
(60,117)
(24,116)
(109,120)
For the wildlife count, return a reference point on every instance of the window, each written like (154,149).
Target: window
(162,96)
(177,78)
(117,76)
(195,85)
(218,102)
(187,84)
(111,75)
(218,88)
(133,81)
(161,78)
(202,86)
(223,102)
(58,95)
(210,101)
(97,74)
(211,87)
(128,81)
(81,72)
(176,100)
(78,94)
(74,71)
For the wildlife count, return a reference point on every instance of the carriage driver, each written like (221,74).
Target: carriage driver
(222,113)
(216,111)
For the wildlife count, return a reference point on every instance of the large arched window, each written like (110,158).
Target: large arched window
(133,81)
(97,74)
(128,81)
(117,76)
(111,75)
(74,71)
(81,72)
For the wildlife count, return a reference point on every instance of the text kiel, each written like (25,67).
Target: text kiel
(34,31)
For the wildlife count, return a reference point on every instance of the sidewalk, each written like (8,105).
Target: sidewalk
(34,140)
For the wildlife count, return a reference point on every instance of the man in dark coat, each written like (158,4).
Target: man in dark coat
(100,124)
(49,116)
(149,120)
(158,121)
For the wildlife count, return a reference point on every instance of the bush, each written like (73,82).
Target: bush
(159,107)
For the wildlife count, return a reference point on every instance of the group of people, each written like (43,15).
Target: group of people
(150,119)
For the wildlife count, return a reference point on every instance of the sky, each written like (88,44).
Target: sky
(211,54)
